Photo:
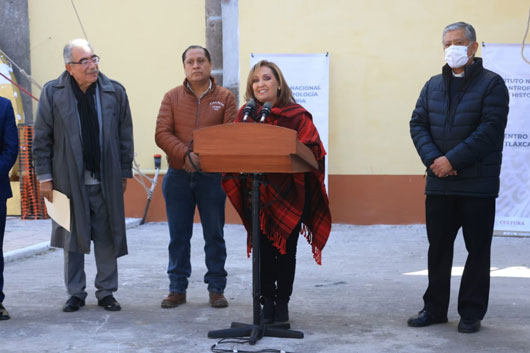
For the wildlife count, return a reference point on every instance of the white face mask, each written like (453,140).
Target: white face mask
(456,56)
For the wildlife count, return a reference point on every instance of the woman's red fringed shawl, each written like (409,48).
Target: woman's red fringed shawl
(283,210)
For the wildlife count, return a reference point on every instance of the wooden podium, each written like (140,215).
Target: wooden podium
(252,148)
(255,149)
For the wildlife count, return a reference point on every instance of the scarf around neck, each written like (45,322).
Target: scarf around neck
(88,117)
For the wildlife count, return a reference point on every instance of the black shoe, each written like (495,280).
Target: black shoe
(268,310)
(109,303)
(281,312)
(73,304)
(424,318)
(4,315)
(468,326)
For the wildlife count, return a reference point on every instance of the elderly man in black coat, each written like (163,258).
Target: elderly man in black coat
(458,130)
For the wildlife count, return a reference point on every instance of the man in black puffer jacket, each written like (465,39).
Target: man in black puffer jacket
(458,130)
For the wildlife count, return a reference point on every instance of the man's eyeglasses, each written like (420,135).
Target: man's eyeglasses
(86,62)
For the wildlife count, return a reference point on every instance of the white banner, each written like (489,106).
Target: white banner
(308,78)
(513,205)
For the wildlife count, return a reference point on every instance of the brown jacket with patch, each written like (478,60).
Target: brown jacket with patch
(182,112)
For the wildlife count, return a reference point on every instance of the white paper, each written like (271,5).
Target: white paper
(59,209)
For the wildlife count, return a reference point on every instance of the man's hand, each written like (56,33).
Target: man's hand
(46,189)
(442,168)
(124,184)
(187,165)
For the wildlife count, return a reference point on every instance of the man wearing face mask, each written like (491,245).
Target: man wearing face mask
(458,130)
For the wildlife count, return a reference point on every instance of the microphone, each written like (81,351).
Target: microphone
(249,108)
(265,111)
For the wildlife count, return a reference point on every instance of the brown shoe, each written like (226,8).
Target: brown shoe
(173,300)
(218,300)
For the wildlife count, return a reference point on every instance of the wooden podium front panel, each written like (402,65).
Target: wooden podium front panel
(251,148)
(253,164)
(245,138)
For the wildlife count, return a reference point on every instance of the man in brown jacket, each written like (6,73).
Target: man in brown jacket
(198,103)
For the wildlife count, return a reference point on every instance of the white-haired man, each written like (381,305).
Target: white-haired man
(83,147)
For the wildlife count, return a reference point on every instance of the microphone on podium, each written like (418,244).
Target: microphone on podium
(249,108)
(265,111)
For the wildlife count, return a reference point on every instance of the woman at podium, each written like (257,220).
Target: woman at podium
(290,204)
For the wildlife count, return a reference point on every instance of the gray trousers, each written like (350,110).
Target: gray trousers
(106,281)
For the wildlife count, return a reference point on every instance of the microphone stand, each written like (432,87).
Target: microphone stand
(258,329)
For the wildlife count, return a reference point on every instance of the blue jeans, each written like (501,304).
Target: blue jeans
(182,192)
(3,212)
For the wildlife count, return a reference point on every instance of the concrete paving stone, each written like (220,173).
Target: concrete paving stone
(357,301)
(21,233)
(26,238)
